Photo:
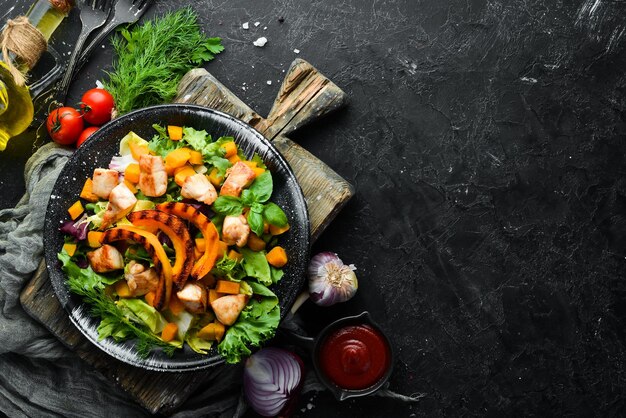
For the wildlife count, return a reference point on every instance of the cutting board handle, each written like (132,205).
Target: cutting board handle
(305,95)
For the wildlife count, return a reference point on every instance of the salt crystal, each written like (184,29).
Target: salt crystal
(269,82)
(257,23)
(246,26)
(264,27)
(297,51)
(260,42)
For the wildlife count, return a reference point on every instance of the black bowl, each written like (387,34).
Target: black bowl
(97,152)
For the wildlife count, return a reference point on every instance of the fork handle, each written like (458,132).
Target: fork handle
(99,37)
(63,86)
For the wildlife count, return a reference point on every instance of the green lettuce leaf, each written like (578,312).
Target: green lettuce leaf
(256,324)
(139,311)
(255,264)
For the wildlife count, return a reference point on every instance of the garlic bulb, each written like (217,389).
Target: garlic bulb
(331,281)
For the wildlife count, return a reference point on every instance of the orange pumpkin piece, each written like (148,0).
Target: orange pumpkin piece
(213,295)
(70,248)
(181,174)
(87,193)
(228,287)
(178,157)
(196,158)
(255,243)
(234,255)
(76,210)
(277,230)
(137,150)
(277,257)
(122,289)
(149,298)
(94,239)
(230,149)
(175,132)
(169,332)
(215,178)
(132,173)
(204,265)
(176,306)
(177,232)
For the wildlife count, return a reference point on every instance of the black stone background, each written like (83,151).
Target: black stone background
(485,140)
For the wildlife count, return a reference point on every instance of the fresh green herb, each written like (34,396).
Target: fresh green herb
(153,57)
(229,268)
(114,323)
(274,215)
(228,205)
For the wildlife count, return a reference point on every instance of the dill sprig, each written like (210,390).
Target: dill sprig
(87,285)
(153,57)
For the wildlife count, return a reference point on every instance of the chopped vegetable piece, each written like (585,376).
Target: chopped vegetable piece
(175,132)
(234,159)
(177,232)
(220,329)
(235,255)
(255,243)
(76,210)
(213,295)
(277,257)
(278,230)
(207,332)
(258,171)
(215,178)
(175,306)
(228,287)
(182,173)
(195,158)
(149,297)
(200,244)
(132,173)
(94,239)
(70,248)
(87,192)
(138,149)
(230,149)
(206,227)
(122,289)
(169,332)
(177,158)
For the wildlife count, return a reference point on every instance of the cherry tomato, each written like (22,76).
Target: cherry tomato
(86,134)
(64,125)
(96,106)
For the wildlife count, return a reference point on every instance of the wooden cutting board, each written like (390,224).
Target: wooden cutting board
(304,96)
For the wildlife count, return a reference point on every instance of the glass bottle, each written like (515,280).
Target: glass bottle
(16,105)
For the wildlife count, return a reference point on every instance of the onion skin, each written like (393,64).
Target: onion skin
(272,380)
(330,280)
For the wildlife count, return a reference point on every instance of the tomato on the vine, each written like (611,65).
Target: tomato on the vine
(86,134)
(64,125)
(96,106)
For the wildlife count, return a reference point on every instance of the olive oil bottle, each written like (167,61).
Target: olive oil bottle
(16,105)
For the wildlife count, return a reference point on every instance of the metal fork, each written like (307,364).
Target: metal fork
(93,14)
(124,12)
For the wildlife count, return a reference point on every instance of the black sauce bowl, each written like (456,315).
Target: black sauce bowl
(314,345)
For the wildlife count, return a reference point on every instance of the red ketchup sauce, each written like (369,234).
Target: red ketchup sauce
(355,357)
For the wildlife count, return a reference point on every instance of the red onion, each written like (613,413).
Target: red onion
(331,281)
(78,229)
(271,380)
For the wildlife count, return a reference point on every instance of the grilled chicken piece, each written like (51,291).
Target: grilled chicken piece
(239,176)
(152,175)
(105,259)
(121,202)
(194,297)
(235,230)
(139,279)
(227,308)
(199,187)
(104,181)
